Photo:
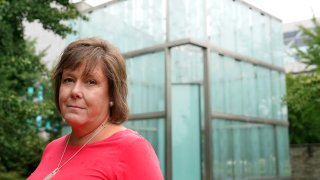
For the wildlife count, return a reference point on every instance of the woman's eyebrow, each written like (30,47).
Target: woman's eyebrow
(67,73)
(92,75)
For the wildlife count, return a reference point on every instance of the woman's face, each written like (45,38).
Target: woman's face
(84,100)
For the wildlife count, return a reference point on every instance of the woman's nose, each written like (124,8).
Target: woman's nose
(76,91)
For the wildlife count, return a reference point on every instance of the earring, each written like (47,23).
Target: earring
(111,103)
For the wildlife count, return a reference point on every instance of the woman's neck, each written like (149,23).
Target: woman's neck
(103,131)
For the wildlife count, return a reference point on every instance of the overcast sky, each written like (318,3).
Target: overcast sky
(289,10)
(286,10)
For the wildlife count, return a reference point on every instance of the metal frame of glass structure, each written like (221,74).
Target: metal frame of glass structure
(210,116)
(207,48)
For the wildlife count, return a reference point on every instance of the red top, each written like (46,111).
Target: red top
(124,155)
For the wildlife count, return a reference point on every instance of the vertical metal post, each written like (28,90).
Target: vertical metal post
(207,102)
(276,154)
(207,115)
(167,21)
(274,127)
(168,99)
(168,124)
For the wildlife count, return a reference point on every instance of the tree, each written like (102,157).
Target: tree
(21,67)
(304,108)
(311,55)
(303,91)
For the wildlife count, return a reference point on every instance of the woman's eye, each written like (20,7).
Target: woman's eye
(67,80)
(91,82)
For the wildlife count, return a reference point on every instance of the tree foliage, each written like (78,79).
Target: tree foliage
(304,108)
(20,68)
(303,91)
(311,55)
(52,14)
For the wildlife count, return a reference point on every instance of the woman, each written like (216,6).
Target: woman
(91,95)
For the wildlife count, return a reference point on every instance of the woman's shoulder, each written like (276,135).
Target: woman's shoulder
(127,137)
(56,142)
(131,134)
(133,142)
(138,159)
(129,140)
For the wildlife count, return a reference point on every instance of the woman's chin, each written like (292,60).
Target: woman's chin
(74,121)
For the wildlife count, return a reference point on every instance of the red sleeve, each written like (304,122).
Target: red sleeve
(139,162)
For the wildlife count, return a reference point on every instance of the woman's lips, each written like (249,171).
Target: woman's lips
(75,107)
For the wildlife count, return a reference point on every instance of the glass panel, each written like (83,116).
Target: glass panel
(267,159)
(235,26)
(254,150)
(257,35)
(129,25)
(146,83)
(218,83)
(232,85)
(215,10)
(264,93)
(243,29)
(284,109)
(187,64)
(238,141)
(222,23)
(249,90)
(186,157)
(228,33)
(265,37)
(187,19)
(233,92)
(222,150)
(283,151)
(153,130)
(242,150)
(276,95)
(277,44)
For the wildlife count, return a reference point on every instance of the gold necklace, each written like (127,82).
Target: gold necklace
(56,170)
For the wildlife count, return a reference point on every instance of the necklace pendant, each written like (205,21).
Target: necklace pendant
(54,172)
